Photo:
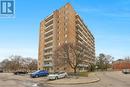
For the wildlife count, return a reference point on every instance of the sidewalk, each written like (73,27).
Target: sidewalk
(80,80)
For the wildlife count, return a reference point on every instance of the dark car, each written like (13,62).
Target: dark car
(39,73)
(1,71)
(20,72)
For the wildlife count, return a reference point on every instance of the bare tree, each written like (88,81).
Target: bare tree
(127,59)
(5,64)
(14,63)
(70,54)
(127,62)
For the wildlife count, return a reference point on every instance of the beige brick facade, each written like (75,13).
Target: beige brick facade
(63,26)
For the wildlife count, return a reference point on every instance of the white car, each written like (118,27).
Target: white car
(126,71)
(57,75)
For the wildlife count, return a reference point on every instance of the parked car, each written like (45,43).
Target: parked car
(39,73)
(20,72)
(126,71)
(57,75)
(1,71)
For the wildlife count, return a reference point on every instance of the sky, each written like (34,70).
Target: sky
(108,20)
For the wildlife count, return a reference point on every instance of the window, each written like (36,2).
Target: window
(57,21)
(65,35)
(57,68)
(48,34)
(66,12)
(59,44)
(66,41)
(66,23)
(66,17)
(64,68)
(65,29)
(48,39)
(49,44)
(58,38)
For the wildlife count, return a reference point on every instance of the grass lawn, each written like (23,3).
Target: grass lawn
(84,74)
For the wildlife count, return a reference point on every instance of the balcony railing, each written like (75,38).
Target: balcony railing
(49,36)
(49,31)
(48,42)
(49,17)
(48,65)
(82,39)
(48,53)
(48,21)
(49,26)
(50,47)
(48,59)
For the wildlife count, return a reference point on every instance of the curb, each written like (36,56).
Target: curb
(74,83)
(94,81)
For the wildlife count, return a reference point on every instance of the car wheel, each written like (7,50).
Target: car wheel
(65,76)
(56,77)
(36,76)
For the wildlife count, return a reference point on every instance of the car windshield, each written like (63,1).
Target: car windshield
(55,73)
(61,72)
(36,71)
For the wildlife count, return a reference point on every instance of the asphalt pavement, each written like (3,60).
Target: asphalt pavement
(107,79)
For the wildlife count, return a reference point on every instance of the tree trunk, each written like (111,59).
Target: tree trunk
(75,71)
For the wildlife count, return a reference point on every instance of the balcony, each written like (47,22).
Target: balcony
(48,53)
(51,41)
(47,37)
(50,47)
(80,28)
(84,30)
(48,65)
(49,32)
(79,21)
(49,17)
(81,38)
(48,59)
(80,42)
(48,21)
(48,26)
(82,23)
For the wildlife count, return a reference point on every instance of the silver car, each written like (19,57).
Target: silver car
(57,75)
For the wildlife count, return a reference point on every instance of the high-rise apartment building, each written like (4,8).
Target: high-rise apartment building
(63,26)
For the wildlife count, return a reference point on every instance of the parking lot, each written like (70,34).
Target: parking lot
(108,79)
(11,80)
